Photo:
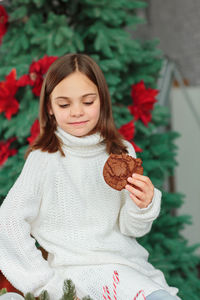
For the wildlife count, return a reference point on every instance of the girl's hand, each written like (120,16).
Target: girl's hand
(142,190)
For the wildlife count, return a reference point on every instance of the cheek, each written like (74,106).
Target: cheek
(95,112)
(61,116)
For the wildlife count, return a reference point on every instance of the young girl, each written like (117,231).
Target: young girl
(61,199)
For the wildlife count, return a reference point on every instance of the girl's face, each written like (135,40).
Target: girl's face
(75,104)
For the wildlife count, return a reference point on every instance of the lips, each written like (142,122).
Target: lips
(78,123)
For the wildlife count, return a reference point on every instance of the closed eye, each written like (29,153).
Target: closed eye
(63,105)
(67,104)
(88,103)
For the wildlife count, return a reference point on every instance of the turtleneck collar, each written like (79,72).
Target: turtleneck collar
(81,146)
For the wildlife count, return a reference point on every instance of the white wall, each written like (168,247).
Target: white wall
(176,25)
(187,176)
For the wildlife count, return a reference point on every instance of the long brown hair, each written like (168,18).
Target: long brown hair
(60,69)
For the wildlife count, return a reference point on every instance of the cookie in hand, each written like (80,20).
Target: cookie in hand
(119,167)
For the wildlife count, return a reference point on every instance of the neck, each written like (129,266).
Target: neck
(83,146)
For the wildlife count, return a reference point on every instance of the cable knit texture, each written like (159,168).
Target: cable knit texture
(87,228)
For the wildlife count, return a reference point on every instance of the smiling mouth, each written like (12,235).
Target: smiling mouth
(78,123)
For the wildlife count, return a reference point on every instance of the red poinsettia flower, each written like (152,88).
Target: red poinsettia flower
(128,132)
(3,22)
(8,88)
(143,102)
(35,130)
(5,152)
(36,74)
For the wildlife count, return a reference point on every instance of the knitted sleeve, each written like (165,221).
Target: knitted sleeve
(135,221)
(20,260)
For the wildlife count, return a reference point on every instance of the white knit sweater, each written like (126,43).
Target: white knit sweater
(88,228)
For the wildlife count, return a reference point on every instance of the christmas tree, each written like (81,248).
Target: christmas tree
(33,33)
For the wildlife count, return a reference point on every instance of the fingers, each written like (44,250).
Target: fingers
(141,177)
(137,183)
(140,198)
(140,204)
(138,193)
(142,190)
(141,182)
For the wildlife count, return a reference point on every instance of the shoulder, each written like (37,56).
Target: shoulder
(38,166)
(36,156)
(32,173)
(130,148)
(38,159)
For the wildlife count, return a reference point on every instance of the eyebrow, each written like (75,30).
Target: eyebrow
(68,98)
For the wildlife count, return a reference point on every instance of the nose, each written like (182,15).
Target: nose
(76,111)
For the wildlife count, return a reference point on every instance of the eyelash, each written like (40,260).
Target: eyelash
(64,105)
(86,103)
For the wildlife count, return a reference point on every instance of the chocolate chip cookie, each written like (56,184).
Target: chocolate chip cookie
(119,167)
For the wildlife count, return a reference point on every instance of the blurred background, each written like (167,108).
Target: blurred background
(176,24)
(149,52)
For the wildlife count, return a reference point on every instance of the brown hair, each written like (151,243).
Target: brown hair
(60,69)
